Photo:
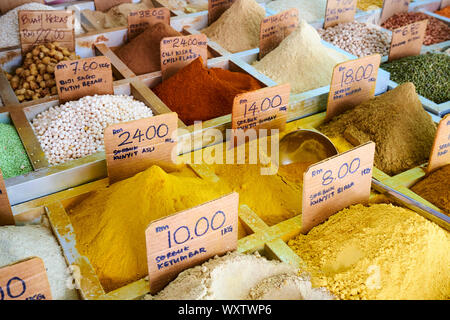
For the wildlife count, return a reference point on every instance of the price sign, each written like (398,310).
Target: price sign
(190,237)
(275,28)
(105,5)
(84,77)
(440,153)
(261,109)
(37,27)
(216,8)
(407,40)
(444,3)
(140,20)
(6,5)
(25,280)
(132,147)
(178,52)
(339,11)
(6,215)
(336,183)
(352,82)
(391,7)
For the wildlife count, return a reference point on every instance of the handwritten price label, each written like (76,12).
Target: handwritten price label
(407,40)
(261,109)
(140,20)
(190,237)
(37,27)
(391,7)
(6,5)
(440,153)
(84,77)
(336,183)
(352,82)
(339,11)
(25,280)
(6,215)
(132,147)
(178,52)
(216,8)
(275,28)
(105,5)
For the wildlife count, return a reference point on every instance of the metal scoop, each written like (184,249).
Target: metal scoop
(295,147)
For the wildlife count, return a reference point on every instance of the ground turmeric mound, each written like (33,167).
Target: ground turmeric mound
(377,252)
(436,188)
(110,223)
(396,121)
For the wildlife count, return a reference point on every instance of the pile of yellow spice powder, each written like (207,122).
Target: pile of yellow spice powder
(378,252)
(110,223)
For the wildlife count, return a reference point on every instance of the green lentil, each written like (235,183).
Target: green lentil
(13,157)
(429,72)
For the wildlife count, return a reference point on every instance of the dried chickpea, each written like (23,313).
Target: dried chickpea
(47,76)
(50,68)
(20,97)
(46,60)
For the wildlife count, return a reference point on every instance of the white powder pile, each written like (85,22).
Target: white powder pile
(9,23)
(233,276)
(238,28)
(309,10)
(19,243)
(301,60)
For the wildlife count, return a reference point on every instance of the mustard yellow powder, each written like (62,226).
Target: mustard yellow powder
(110,223)
(378,252)
(367,5)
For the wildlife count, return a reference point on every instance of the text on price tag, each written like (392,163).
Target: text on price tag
(391,7)
(25,280)
(261,109)
(178,52)
(190,237)
(105,5)
(407,41)
(352,83)
(216,8)
(140,20)
(339,11)
(38,27)
(440,153)
(84,77)
(134,146)
(275,28)
(336,183)
(6,5)
(6,215)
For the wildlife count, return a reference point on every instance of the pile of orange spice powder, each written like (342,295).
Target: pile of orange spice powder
(444,12)
(198,93)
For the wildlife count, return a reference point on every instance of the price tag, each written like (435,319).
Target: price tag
(336,183)
(275,28)
(391,7)
(105,5)
(132,147)
(216,8)
(444,3)
(178,52)
(261,109)
(6,215)
(37,27)
(352,82)
(440,153)
(25,280)
(407,40)
(84,77)
(140,20)
(6,5)
(339,11)
(190,237)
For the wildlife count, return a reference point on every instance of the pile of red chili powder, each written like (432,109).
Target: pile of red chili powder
(198,93)
(437,30)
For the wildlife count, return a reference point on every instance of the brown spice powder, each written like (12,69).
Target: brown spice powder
(396,121)
(436,188)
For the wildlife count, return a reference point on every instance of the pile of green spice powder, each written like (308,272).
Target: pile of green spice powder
(429,72)
(13,157)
